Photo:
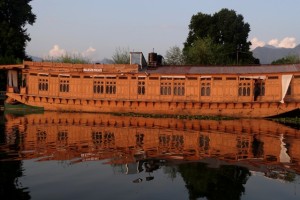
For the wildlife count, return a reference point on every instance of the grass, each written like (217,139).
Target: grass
(288,120)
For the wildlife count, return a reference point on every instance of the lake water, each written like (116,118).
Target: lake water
(97,156)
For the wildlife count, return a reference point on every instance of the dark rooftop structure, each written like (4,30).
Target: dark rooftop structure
(226,69)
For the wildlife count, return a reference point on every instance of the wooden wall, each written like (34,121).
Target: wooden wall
(126,87)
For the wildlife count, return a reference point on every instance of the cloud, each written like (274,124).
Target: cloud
(56,51)
(287,42)
(257,43)
(90,52)
(274,42)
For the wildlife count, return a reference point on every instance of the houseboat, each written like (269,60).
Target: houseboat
(152,88)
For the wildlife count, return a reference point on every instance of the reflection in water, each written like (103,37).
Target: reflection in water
(11,170)
(225,182)
(228,150)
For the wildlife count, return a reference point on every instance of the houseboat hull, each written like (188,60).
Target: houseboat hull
(229,109)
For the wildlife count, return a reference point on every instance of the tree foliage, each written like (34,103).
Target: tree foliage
(204,51)
(14,16)
(226,30)
(174,56)
(121,56)
(291,59)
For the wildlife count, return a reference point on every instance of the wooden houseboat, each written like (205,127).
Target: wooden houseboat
(234,91)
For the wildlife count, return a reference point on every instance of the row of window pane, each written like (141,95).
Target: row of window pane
(165,88)
(111,88)
(43,84)
(244,89)
(141,88)
(205,89)
(64,86)
(179,89)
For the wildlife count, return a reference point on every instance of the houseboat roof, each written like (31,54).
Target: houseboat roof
(258,69)
(180,69)
(7,67)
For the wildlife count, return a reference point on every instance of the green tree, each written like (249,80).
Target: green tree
(121,56)
(291,59)
(203,51)
(14,16)
(174,56)
(227,30)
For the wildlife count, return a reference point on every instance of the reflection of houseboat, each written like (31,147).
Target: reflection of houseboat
(81,137)
(239,91)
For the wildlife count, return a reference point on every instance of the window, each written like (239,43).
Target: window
(64,85)
(62,136)
(111,87)
(104,139)
(97,137)
(43,84)
(165,88)
(98,87)
(217,78)
(177,141)
(179,89)
(297,76)
(141,88)
(230,78)
(164,140)
(41,136)
(205,86)
(244,87)
(192,78)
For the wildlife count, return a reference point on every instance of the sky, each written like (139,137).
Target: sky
(94,29)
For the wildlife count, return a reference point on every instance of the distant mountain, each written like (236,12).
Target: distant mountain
(268,54)
(35,58)
(106,61)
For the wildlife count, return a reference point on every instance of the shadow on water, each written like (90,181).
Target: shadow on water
(290,119)
(10,170)
(214,158)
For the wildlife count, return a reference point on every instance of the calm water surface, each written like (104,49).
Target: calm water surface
(94,156)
